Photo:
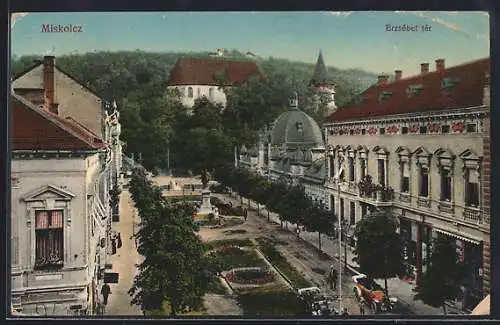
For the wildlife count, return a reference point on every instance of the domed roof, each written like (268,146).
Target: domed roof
(297,128)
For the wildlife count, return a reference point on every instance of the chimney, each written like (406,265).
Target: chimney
(49,84)
(440,65)
(424,68)
(382,79)
(398,74)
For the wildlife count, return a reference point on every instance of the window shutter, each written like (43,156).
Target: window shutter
(42,219)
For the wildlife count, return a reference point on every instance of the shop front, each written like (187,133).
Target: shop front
(469,252)
(416,241)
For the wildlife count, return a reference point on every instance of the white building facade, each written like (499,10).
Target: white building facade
(421,143)
(61,195)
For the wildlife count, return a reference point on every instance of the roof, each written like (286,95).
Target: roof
(317,170)
(466,90)
(36,82)
(287,130)
(210,71)
(38,129)
(320,75)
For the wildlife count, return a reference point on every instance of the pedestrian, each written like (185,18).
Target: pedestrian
(245,214)
(332,278)
(119,244)
(345,312)
(105,291)
(113,246)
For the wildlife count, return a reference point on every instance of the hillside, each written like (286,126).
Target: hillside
(117,74)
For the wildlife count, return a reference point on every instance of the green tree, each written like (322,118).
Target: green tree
(320,220)
(174,266)
(378,246)
(442,280)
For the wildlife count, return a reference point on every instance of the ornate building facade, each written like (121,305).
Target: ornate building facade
(416,147)
(66,161)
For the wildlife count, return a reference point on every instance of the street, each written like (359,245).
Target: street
(124,261)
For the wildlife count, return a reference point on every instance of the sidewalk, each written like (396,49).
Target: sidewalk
(398,288)
(124,261)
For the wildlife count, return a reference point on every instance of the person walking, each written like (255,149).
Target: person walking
(105,291)
(332,278)
(119,241)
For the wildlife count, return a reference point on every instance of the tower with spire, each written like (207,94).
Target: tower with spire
(323,86)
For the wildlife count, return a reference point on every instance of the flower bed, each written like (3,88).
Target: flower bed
(254,276)
(232,256)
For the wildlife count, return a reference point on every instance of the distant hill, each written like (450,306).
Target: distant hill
(118,74)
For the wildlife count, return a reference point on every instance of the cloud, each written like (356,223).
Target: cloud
(342,14)
(16,17)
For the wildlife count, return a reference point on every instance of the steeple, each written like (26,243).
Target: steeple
(320,76)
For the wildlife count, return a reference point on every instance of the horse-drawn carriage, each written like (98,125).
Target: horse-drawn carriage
(371,294)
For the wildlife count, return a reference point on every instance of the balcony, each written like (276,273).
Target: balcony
(472,215)
(423,202)
(446,207)
(378,195)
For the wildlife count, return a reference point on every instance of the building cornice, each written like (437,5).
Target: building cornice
(469,112)
(53,154)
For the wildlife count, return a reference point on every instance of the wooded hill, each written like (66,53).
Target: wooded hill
(137,80)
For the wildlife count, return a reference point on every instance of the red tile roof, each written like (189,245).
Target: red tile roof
(204,71)
(467,92)
(37,129)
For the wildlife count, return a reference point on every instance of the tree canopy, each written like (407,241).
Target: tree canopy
(378,246)
(441,281)
(153,118)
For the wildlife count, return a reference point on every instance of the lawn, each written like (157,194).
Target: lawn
(271,301)
(166,311)
(223,242)
(267,247)
(234,258)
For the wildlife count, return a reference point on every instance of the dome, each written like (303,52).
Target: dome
(297,128)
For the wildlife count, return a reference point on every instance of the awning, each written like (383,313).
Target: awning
(474,241)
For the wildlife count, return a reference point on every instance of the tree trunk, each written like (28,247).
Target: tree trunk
(258,209)
(444,308)
(249,205)
(268,215)
(319,241)
(297,231)
(241,200)
(385,283)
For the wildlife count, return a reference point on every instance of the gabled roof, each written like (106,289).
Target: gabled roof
(210,71)
(320,75)
(465,90)
(37,129)
(37,83)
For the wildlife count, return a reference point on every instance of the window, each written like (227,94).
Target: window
(342,209)
(472,188)
(352,216)
(351,132)
(445,129)
(424,182)
(405,177)
(362,163)
(332,203)
(300,127)
(445,185)
(471,128)
(381,171)
(190,92)
(364,211)
(211,92)
(404,130)
(423,129)
(363,131)
(332,166)
(340,170)
(351,169)
(49,239)
(382,130)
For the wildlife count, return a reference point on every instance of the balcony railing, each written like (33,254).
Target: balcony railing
(445,206)
(423,202)
(472,214)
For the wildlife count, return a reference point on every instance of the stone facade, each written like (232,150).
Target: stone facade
(73,183)
(189,94)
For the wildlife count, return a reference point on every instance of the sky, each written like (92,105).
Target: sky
(346,39)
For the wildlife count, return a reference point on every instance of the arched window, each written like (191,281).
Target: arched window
(190,92)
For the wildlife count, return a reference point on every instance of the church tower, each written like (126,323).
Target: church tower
(322,85)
